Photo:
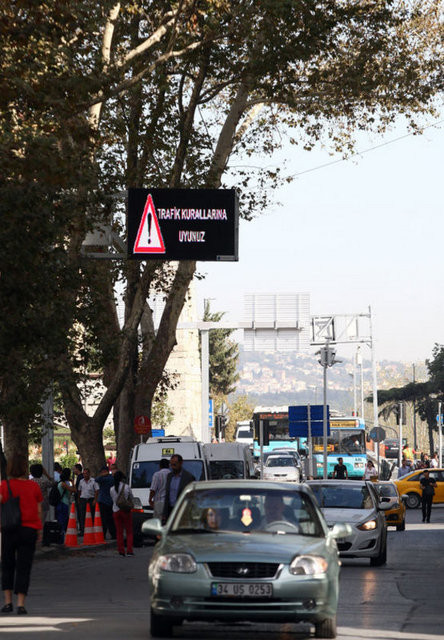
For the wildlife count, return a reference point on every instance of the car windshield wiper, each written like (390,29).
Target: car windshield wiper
(192,530)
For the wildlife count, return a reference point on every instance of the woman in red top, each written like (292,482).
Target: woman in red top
(18,546)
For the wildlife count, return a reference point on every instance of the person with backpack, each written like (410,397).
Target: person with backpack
(123,502)
(65,490)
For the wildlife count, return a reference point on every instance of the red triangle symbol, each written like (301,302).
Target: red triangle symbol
(149,236)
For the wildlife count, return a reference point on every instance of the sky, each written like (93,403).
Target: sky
(360,232)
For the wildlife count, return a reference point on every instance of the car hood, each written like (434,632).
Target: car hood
(285,470)
(226,547)
(350,516)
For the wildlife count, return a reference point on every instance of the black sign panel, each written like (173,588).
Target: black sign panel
(183,224)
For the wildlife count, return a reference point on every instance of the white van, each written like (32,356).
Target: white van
(145,458)
(229,460)
(244,432)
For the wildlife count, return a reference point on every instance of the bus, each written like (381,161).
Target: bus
(275,421)
(346,440)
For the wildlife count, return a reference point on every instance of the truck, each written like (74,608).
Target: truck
(229,460)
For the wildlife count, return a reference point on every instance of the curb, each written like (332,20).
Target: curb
(59,550)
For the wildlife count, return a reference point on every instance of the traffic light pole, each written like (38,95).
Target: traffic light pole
(324,422)
(400,433)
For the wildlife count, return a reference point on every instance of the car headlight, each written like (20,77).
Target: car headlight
(368,526)
(308,565)
(177,563)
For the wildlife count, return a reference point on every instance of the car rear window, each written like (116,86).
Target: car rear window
(342,497)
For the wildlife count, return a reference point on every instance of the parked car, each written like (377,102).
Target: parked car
(395,514)
(281,467)
(391,446)
(357,503)
(410,485)
(244,550)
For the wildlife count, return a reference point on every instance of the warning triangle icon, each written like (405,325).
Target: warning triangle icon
(149,237)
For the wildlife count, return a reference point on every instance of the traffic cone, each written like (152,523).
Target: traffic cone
(98,529)
(88,533)
(71,531)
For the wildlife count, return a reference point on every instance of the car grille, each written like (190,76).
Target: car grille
(243,570)
(344,546)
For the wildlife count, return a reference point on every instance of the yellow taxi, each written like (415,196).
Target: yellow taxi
(395,515)
(411,486)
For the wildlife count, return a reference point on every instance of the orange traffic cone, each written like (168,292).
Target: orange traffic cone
(98,529)
(71,531)
(88,533)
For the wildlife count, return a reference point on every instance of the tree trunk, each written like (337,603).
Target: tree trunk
(89,441)
(16,438)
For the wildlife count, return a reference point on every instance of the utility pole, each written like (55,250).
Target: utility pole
(400,433)
(415,439)
(328,359)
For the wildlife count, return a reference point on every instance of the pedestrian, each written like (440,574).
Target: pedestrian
(78,473)
(408,453)
(18,545)
(370,472)
(340,470)
(57,471)
(45,483)
(434,462)
(123,519)
(158,488)
(66,490)
(105,480)
(113,468)
(404,469)
(428,486)
(88,492)
(176,482)
(426,461)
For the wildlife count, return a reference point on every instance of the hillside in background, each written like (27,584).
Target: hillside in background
(283,378)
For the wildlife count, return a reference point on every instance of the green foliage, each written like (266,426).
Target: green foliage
(425,395)
(172,111)
(68,461)
(241,408)
(224,356)
(161,414)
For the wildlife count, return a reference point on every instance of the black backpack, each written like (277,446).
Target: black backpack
(54,497)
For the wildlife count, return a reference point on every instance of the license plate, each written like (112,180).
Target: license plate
(242,589)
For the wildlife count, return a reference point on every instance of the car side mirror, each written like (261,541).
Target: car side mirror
(152,528)
(384,504)
(341,530)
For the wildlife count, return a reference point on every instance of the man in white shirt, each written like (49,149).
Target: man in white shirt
(88,492)
(158,488)
(434,461)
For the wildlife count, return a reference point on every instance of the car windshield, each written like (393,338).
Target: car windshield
(219,469)
(387,490)
(286,461)
(142,472)
(342,497)
(247,510)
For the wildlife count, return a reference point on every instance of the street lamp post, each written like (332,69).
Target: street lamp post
(328,359)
